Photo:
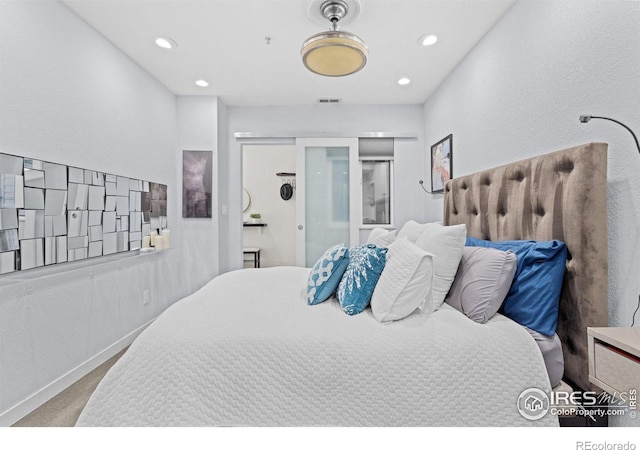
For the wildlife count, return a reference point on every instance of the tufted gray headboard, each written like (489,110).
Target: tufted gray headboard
(560,195)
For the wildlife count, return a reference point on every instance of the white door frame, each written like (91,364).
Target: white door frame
(354,190)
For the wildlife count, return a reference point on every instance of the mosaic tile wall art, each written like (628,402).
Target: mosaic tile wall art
(52,213)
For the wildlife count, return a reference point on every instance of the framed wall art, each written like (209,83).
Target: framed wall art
(197,180)
(441,163)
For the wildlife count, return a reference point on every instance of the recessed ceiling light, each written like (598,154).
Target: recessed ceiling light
(164,42)
(428,39)
(404,81)
(202,83)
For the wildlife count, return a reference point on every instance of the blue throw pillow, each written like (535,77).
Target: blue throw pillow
(534,296)
(326,274)
(366,263)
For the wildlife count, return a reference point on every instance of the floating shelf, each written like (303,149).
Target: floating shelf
(286,174)
(254,224)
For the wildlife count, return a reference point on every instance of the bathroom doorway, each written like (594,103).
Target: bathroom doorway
(269,240)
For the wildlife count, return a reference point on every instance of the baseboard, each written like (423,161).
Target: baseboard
(20,410)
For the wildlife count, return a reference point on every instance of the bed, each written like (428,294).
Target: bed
(246,349)
(560,195)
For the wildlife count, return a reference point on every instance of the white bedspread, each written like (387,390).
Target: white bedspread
(246,350)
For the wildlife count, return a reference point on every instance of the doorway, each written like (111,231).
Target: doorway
(296,230)
(274,234)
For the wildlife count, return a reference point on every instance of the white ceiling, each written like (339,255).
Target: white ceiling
(223,42)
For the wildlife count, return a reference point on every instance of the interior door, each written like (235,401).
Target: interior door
(326,200)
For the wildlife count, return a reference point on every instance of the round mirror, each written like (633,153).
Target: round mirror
(246,200)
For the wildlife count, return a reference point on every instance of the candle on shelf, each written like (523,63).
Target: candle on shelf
(166,237)
(146,241)
(159,240)
(152,237)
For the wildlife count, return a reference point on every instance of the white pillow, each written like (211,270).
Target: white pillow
(381,237)
(446,244)
(411,230)
(405,283)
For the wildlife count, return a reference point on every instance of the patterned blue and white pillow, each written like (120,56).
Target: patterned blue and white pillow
(366,263)
(326,274)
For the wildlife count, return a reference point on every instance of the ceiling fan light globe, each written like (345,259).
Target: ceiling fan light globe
(334,53)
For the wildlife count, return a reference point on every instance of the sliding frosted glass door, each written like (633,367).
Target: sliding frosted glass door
(324,207)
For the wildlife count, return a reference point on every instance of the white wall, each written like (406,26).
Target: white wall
(223,185)
(198,130)
(69,96)
(277,240)
(520,91)
(328,121)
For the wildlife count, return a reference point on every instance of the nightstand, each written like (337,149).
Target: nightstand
(614,358)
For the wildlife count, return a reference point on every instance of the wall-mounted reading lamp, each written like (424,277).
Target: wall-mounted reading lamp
(585,119)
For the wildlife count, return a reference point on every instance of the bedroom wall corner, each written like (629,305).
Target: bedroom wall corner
(519,93)
(224,177)
(198,123)
(74,98)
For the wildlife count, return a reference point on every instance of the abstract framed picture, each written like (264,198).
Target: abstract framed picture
(441,163)
(197,181)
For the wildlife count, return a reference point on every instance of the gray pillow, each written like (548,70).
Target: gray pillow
(482,282)
(551,349)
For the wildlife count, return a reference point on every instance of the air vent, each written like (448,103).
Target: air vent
(328,100)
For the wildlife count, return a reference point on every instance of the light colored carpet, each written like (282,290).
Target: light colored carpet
(64,409)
